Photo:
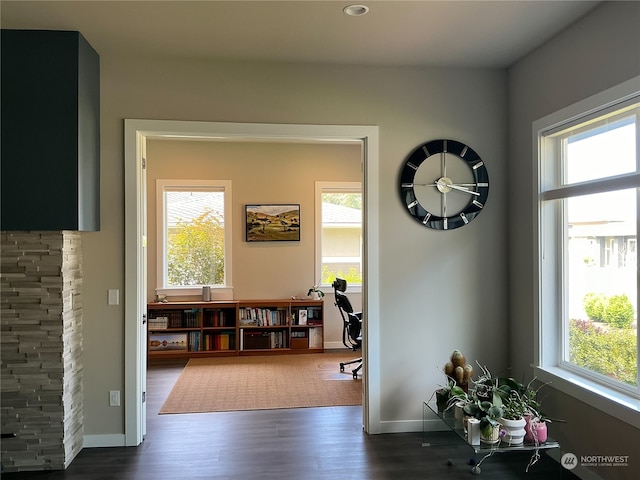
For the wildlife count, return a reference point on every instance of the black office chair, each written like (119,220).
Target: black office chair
(352,324)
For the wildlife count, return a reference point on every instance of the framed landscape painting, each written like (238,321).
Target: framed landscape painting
(273,223)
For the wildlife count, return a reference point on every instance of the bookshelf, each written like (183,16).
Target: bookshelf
(239,327)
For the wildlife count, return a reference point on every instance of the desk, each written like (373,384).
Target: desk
(430,411)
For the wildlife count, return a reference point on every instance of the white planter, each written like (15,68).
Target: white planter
(514,431)
(494,437)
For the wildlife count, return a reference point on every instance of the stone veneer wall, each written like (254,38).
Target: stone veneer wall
(41,348)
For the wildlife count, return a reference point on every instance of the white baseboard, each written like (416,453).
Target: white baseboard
(112,440)
(401,426)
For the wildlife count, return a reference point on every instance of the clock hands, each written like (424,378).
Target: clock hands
(445,185)
(463,189)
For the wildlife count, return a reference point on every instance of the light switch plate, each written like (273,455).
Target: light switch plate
(114,297)
(114,398)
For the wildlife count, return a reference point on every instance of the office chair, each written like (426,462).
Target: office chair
(352,324)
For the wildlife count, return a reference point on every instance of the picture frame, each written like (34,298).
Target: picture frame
(168,342)
(272,222)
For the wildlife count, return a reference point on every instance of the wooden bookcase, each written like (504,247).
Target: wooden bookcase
(239,327)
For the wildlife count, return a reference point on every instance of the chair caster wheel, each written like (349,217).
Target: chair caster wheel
(476,470)
(342,367)
(355,375)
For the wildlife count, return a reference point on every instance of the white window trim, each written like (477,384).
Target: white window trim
(221,292)
(323,187)
(547,366)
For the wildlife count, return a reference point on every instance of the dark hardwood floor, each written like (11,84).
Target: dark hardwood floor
(306,443)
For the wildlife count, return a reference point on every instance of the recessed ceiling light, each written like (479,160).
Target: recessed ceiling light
(355,10)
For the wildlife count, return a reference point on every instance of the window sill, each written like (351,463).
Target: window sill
(217,293)
(622,406)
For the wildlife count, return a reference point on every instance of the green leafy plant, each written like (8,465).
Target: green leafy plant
(315,290)
(514,407)
(616,310)
(619,312)
(611,352)
(594,305)
(353,276)
(195,253)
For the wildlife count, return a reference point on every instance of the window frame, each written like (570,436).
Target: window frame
(338,187)
(549,338)
(223,291)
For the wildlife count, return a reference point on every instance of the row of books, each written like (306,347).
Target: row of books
(217,341)
(254,340)
(162,319)
(220,341)
(306,316)
(219,318)
(262,317)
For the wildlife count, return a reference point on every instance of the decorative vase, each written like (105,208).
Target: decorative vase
(514,429)
(315,296)
(535,430)
(492,437)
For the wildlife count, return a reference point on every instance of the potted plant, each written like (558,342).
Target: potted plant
(489,415)
(315,293)
(514,409)
(444,394)
(486,405)
(525,398)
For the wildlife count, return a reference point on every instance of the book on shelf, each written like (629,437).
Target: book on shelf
(158,323)
(315,337)
(194,341)
(314,316)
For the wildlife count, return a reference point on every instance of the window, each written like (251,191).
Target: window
(589,179)
(194,228)
(339,232)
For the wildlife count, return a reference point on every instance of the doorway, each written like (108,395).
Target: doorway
(136,134)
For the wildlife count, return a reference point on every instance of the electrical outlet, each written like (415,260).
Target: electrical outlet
(114,398)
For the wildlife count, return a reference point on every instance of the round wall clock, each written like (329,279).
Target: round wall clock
(444,184)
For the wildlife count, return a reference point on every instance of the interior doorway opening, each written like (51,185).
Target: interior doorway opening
(137,132)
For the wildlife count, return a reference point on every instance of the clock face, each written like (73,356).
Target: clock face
(444,184)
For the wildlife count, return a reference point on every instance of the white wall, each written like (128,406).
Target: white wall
(439,290)
(596,53)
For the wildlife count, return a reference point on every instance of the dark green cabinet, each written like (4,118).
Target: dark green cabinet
(50,143)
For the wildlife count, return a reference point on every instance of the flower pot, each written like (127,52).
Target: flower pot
(490,437)
(459,411)
(442,399)
(535,430)
(514,431)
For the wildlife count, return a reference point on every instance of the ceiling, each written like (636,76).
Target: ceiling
(449,33)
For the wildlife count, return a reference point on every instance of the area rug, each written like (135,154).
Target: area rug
(264,382)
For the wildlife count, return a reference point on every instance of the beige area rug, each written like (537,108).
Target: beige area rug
(264,382)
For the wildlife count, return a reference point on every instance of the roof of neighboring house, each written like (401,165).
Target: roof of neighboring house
(340,215)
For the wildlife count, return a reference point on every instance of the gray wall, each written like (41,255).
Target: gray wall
(596,53)
(422,316)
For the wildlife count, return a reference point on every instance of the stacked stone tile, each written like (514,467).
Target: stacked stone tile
(41,347)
